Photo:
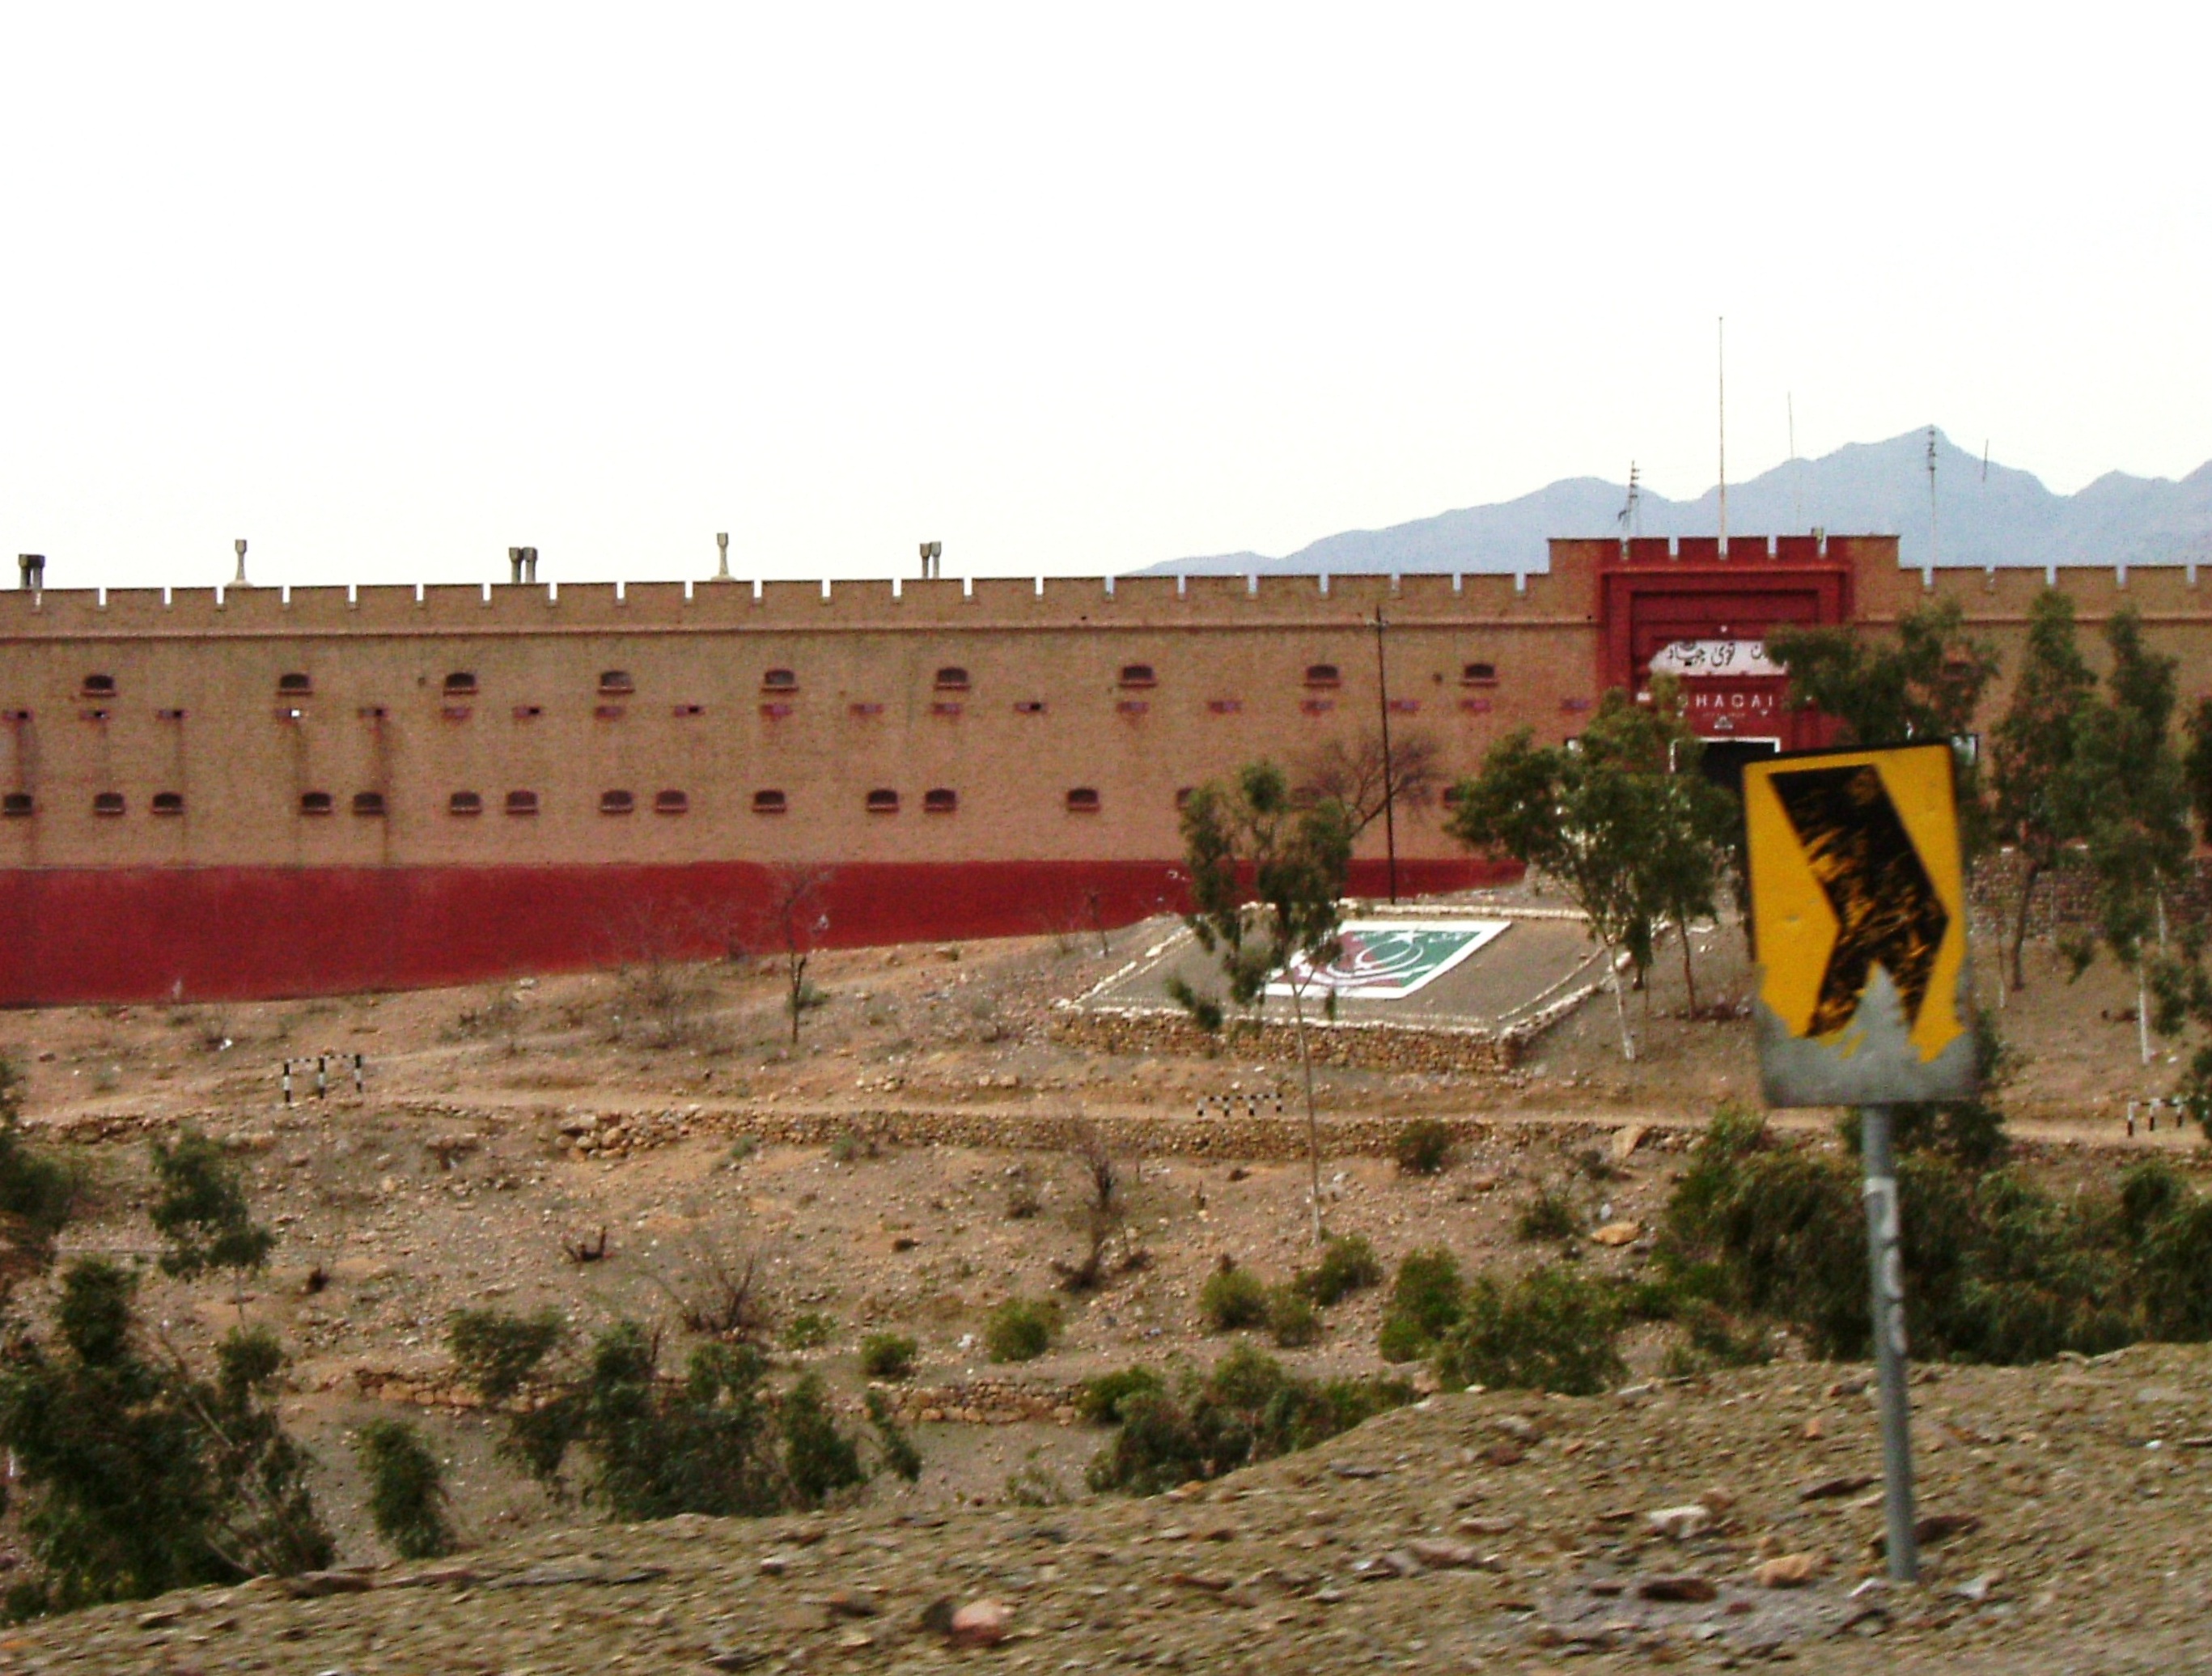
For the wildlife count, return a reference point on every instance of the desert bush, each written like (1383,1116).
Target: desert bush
(1425,1147)
(1551,1330)
(715,1441)
(1714,1339)
(851,1146)
(1249,1409)
(1427,1299)
(809,1330)
(136,1476)
(1550,1214)
(497,1352)
(1034,1484)
(721,1293)
(1232,1298)
(200,1209)
(1103,1400)
(407,1498)
(1292,1321)
(38,1192)
(1348,1265)
(1022,1329)
(888,1356)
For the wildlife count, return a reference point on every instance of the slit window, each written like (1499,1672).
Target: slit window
(14,805)
(881,801)
(464,803)
(168,715)
(769,802)
(522,802)
(1084,799)
(369,804)
(293,686)
(671,802)
(107,803)
(1029,707)
(616,681)
(684,710)
(939,801)
(1478,674)
(314,802)
(168,802)
(100,686)
(952,679)
(460,683)
(617,802)
(1323,674)
(367,712)
(1139,675)
(780,680)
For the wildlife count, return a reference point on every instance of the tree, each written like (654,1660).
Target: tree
(796,919)
(1620,820)
(2033,747)
(1926,683)
(1354,776)
(1266,878)
(201,1210)
(407,1494)
(2126,791)
(38,1193)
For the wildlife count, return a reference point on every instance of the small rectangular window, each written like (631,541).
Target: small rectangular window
(1406,706)
(460,683)
(1224,706)
(168,715)
(464,803)
(100,686)
(769,802)
(25,716)
(522,802)
(1318,706)
(945,707)
(368,804)
(684,710)
(882,802)
(1132,707)
(671,802)
(293,685)
(1478,674)
(528,712)
(1183,794)
(1083,800)
(776,712)
(607,712)
(1029,707)
(372,712)
(952,678)
(1139,675)
(939,801)
(617,802)
(855,709)
(1475,706)
(167,802)
(314,802)
(780,680)
(107,803)
(1323,674)
(454,712)
(14,805)
(616,681)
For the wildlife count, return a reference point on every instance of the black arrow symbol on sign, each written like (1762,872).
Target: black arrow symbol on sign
(1886,909)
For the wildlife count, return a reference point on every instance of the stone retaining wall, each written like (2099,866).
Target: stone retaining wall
(1346,1046)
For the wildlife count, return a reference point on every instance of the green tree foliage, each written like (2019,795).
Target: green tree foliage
(1348,1265)
(1249,1409)
(1232,1298)
(2127,793)
(1267,876)
(1552,1329)
(136,1477)
(1620,820)
(1924,682)
(200,1209)
(1995,1268)
(407,1496)
(717,1441)
(1427,1299)
(38,1191)
(1425,1147)
(2035,805)
(1022,1329)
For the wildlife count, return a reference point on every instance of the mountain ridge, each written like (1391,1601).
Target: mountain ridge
(1986,515)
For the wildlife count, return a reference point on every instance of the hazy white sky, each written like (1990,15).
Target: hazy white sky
(388,289)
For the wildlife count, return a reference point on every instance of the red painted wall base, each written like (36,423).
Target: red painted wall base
(71,935)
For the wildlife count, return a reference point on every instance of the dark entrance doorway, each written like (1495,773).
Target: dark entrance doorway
(1724,760)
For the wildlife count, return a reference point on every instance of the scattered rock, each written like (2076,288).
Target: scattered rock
(979,1623)
(313,1585)
(1826,1489)
(1626,1139)
(1680,1587)
(845,1603)
(1442,1554)
(1617,1233)
(1681,1524)
(1788,1571)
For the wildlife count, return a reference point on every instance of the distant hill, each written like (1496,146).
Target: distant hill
(2007,517)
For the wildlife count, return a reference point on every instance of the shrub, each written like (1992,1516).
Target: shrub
(716,1441)
(1034,1484)
(1551,1330)
(1232,1298)
(1292,1321)
(497,1352)
(1714,1339)
(1425,1147)
(809,1330)
(1103,1400)
(406,1489)
(1021,1329)
(1426,1300)
(1348,1265)
(1551,1214)
(1247,1409)
(851,1146)
(200,1209)
(37,1193)
(888,1356)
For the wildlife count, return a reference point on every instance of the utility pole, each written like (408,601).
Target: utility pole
(1389,786)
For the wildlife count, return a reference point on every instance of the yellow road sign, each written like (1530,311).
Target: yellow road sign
(1858,908)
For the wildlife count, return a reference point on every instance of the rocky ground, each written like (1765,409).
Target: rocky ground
(908,1167)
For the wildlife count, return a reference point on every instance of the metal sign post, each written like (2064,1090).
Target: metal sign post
(1859,924)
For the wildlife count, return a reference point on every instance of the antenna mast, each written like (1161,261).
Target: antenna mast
(1721,348)
(1631,518)
(1928,574)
